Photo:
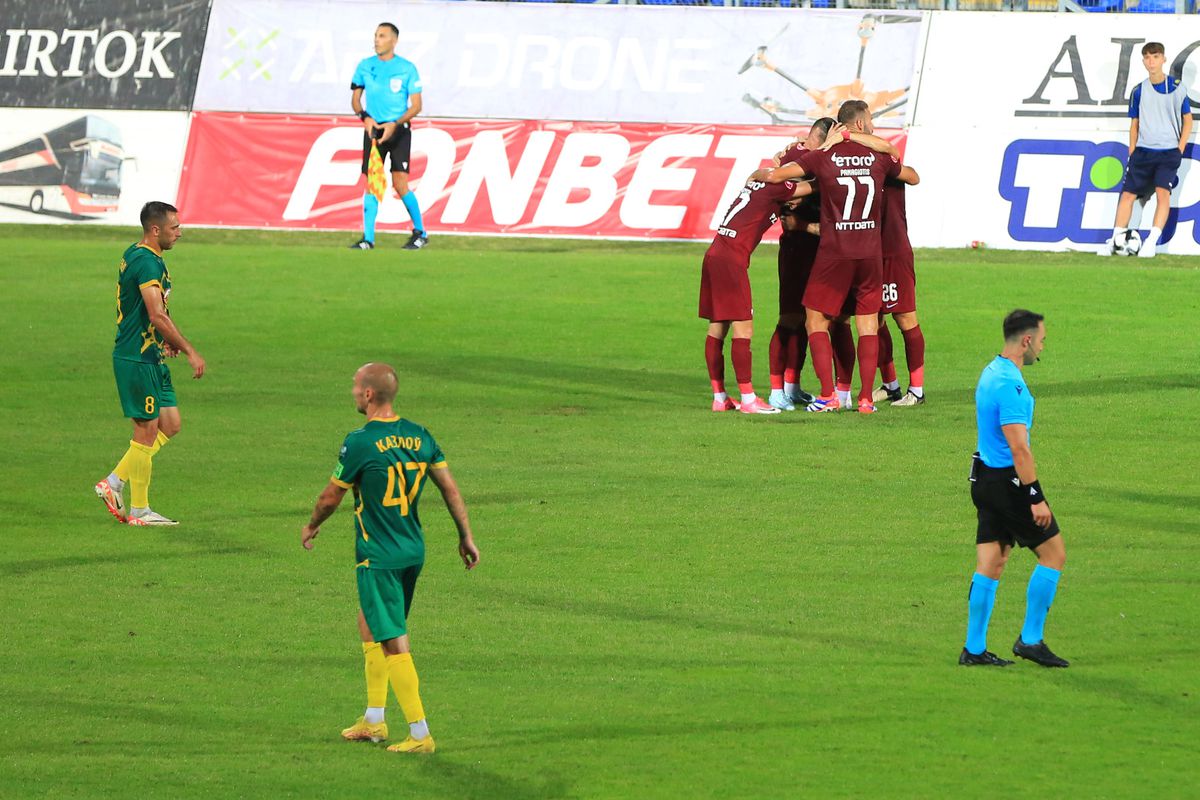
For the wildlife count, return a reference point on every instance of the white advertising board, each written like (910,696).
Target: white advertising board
(1031,154)
(567,62)
(81,166)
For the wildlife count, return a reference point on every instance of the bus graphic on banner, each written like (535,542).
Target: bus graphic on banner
(74,169)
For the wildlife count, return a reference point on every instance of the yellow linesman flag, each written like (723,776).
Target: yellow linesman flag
(376,180)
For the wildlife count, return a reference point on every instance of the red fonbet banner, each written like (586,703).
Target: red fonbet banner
(525,177)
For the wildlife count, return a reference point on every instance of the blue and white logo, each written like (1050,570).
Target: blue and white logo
(1068,190)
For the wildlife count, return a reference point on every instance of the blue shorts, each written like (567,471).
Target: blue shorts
(1151,169)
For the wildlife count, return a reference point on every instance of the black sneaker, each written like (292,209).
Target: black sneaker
(802,398)
(984,659)
(884,393)
(416,241)
(1039,654)
(362,244)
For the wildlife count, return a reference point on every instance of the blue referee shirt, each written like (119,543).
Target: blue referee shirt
(1001,398)
(386,86)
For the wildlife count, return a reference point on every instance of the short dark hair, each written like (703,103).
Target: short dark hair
(852,111)
(395,30)
(1020,322)
(155,213)
(822,126)
(1153,47)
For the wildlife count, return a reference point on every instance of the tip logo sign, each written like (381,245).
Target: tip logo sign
(1062,189)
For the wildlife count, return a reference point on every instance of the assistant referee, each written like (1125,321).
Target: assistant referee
(391,89)
(1009,501)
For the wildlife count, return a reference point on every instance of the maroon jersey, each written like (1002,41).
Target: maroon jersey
(850,178)
(895,221)
(755,209)
(792,154)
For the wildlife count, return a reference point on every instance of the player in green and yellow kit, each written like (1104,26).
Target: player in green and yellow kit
(145,334)
(387,463)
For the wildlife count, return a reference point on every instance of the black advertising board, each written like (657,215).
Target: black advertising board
(128,54)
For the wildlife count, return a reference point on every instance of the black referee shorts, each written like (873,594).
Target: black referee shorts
(1003,510)
(396,149)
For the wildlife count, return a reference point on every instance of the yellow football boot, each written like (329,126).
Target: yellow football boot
(362,731)
(411,745)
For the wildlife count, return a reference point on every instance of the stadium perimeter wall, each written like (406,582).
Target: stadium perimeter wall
(611,121)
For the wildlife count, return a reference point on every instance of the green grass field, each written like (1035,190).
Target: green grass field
(671,603)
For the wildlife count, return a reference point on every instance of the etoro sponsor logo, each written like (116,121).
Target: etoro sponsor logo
(1067,190)
(854,161)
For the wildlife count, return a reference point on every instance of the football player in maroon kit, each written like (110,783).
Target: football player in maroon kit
(797,251)
(900,300)
(850,177)
(725,299)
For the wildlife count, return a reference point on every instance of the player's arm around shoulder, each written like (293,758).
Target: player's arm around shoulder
(441,476)
(873,142)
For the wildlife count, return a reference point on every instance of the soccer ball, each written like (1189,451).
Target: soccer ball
(1128,243)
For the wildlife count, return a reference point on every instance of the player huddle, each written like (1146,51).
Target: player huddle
(844,253)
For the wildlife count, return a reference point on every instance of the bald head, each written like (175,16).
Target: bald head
(380,379)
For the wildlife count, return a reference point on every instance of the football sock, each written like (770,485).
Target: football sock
(1117,233)
(739,354)
(868,359)
(404,684)
(887,366)
(140,466)
(843,395)
(120,474)
(414,211)
(914,354)
(374,715)
(714,356)
(370,211)
(777,355)
(797,352)
(822,360)
(1152,239)
(1043,583)
(121,470)
(720,397)
(789,388)
(843,353)
(980,601)
(376,670)
(891,386)
(418,729)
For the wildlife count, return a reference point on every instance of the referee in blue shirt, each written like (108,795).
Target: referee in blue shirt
(1009,501)
(391,89)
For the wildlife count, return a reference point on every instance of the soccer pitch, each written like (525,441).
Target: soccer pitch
(670,602)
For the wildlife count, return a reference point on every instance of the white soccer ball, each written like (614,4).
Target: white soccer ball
(1128,243)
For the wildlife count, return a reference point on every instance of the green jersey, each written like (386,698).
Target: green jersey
(386,462)
(137,340)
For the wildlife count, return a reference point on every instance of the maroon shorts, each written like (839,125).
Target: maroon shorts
(725,290)
(835,280)
(899,286)
(797,251)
